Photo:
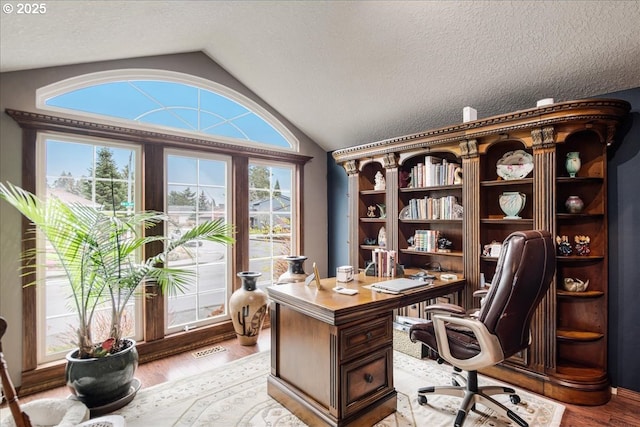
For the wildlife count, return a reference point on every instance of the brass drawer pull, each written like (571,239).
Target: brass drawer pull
(369,335)
(368,378)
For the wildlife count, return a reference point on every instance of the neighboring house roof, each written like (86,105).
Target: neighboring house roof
(68,197)
(280,203)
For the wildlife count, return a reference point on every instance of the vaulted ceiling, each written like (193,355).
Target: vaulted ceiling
(352,72)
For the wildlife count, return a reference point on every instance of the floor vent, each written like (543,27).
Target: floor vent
(208,351)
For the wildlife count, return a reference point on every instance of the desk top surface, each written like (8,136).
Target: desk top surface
(334,308)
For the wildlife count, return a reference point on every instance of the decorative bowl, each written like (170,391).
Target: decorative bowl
(514,165)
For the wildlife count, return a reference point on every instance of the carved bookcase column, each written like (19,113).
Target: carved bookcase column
(471,218)
(543,353)
(390,163)
(353,188)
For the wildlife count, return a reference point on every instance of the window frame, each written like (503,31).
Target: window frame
(154,344)
(294,218)
(229,270)
(41,188)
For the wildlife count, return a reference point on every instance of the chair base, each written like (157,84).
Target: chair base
(467,389)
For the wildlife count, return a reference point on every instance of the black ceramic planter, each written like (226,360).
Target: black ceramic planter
(103,380)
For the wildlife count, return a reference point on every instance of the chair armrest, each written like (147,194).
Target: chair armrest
(444,308)
(480,293)
(490,349)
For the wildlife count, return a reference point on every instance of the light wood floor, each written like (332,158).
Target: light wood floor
(620,411)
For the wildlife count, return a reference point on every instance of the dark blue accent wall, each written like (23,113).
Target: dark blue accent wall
(337,203)
(624,242)
(624,255)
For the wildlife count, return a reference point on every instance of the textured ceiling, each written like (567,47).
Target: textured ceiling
(353,72)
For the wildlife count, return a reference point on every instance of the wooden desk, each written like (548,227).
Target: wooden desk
(332,354)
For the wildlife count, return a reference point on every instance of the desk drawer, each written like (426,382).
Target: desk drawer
(364,337)
(366,380)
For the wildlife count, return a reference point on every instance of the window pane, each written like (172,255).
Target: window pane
(102,176)
(270,220)
(197,191)
(181,169)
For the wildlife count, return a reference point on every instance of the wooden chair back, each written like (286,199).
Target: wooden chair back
(21,419)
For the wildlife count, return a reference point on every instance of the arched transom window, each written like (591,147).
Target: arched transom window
(173,101)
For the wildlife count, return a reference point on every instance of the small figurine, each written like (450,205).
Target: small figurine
(444,244)
(457,176)
(564,247)
(582,245)
(380,183)
(370,241)
(382,237)
(382,208)
(575,285)
(371,211)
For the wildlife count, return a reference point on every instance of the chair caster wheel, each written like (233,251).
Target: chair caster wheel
(515,399)
(422,400)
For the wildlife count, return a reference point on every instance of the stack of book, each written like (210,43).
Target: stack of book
(386,262)
(434,171)
(426,240)
(433,208)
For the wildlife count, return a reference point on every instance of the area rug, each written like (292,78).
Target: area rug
(235,394)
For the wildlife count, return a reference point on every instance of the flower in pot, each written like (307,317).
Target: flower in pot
(98,250)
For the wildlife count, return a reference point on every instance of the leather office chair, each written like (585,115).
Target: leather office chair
(500,329)
(46,412)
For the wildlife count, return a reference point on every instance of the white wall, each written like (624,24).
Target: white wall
(17,91)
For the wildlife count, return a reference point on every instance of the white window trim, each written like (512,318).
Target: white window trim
(41,187)
(229,267)
(86,80)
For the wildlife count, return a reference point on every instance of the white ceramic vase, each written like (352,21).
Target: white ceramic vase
(512,203)
(573,163)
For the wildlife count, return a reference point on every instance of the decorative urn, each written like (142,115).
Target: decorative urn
(248,308)
(574,204)
(295,271)
(573,163)
(512,203)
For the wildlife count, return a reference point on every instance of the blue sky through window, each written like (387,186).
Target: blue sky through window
(175,105)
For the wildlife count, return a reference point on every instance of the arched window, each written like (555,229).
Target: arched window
(169,100)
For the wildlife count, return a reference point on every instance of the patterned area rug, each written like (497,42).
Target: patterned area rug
(236,395)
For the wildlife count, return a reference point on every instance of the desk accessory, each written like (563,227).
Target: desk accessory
(345,291)
(344,273)
(314,278)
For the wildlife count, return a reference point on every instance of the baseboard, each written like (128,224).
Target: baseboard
(628,394)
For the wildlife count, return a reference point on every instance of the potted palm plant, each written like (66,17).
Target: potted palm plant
(99,250)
